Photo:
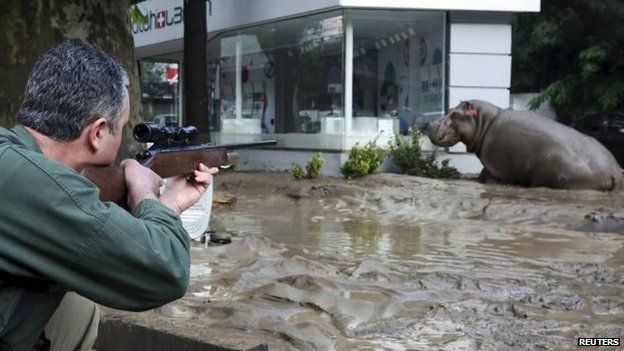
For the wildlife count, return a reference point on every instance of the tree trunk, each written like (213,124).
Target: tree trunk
(30,28)
(195,68)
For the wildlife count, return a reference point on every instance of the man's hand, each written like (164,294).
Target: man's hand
(180,194)
(142,182)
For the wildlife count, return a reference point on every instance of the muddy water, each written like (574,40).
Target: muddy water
(403,263)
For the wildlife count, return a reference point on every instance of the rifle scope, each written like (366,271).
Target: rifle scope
(154,133)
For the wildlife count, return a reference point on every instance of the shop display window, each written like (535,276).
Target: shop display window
(160,90)
(398,66)
(287,78)
(279,78)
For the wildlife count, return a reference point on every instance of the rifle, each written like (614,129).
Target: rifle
(173,153)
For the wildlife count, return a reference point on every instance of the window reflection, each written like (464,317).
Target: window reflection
(398,66)
(287,78)
(160,91)
(284,77)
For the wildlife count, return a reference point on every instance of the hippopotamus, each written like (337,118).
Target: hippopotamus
(523,148)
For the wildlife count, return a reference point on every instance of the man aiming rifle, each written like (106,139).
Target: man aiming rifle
(56,236)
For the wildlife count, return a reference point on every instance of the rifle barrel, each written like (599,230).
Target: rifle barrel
(179,148)
(247,145)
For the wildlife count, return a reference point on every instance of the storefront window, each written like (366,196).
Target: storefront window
(160,91)
(287,78)
(398,66)
(281,78)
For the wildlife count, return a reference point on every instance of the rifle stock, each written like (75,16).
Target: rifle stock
(173,163)
(111,182)
(166,162)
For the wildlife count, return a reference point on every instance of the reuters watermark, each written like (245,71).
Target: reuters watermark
(594,342)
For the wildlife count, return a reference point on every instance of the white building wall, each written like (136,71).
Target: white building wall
(229,14)
(283,161)
(463,5)
(258,11)
(480,64)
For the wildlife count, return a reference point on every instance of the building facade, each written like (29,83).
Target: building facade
(324,75)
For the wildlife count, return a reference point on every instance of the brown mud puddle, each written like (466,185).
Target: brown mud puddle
(393,262)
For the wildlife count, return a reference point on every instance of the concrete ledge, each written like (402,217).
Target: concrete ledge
(147,331)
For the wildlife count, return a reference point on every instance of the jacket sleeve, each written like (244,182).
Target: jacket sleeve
(58,229)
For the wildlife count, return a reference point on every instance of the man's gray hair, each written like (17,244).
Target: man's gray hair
(71,86)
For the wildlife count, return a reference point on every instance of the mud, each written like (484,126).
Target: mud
(393,262)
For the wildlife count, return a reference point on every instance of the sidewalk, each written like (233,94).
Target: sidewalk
(149,331)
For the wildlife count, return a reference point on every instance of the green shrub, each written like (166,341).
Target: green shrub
(363,160)
(313,168)
(407,155)
(445,171)
(297,171)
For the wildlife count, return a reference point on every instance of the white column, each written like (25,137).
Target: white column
(239,79)
(480,71)
(348,75)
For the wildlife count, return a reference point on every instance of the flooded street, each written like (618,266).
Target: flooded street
(394,262)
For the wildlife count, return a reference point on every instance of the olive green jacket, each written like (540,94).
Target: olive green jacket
(57,236)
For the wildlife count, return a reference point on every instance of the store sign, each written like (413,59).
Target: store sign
(165,21)
(159,20)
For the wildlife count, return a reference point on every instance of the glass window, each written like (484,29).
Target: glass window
(398,66)
(160,90)
(280,78)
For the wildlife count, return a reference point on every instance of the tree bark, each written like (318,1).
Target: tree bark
(195,68)
(30,28)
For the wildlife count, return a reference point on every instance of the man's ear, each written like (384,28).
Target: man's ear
(95,133)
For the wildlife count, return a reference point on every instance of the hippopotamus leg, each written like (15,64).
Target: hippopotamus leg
(486,177)
(563,172)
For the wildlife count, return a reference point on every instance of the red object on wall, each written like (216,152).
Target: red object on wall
(171,74)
